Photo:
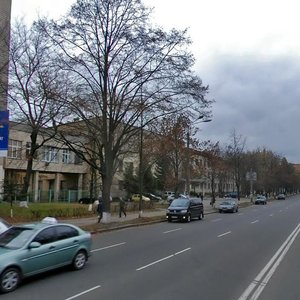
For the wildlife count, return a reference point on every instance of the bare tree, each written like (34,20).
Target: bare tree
(34,86)
(235,152)
(124,74)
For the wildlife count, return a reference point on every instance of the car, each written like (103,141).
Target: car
(260,200)
(231,195)
(228,206)
(185,209)
(30,249)
(168,195)
(280,197)
(86,200)
(3,225)
(154,197)
(136,198)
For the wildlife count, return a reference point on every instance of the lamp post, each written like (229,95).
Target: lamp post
(188,138)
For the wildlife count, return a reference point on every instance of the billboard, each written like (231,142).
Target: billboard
(4,127)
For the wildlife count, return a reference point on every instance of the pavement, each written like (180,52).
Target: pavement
(133,219)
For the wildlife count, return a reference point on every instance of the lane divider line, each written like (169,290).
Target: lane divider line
(172,230)
(162,259)
(256,221)
(261,280)
(84,292)
(108,247)
(228,232)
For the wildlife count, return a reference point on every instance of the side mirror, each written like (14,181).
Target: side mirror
(34,245)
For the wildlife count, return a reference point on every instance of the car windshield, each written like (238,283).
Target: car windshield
(15,237)
(227,203)
(180,202)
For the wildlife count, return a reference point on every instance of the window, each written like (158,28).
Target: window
(46,236)
(66,156)
(78,159)
(50,154)
(65,232)
(14,149)
(28,150)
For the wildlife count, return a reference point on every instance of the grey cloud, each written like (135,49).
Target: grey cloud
(259,97)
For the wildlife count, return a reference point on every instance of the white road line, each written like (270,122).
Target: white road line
(84,292)
(256,221)
(261,280)
(216,220)
(172,230)
(111,246)
(162,259)
(271,215)
(228,232)
(240,214)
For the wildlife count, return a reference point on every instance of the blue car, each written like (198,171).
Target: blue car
(30,249)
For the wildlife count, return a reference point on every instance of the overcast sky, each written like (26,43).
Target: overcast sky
(247,51)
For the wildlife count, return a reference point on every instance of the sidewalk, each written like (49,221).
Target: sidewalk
(132,218)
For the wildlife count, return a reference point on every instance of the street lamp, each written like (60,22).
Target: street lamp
(188,172)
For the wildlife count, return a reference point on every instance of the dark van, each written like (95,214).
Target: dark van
(185,209)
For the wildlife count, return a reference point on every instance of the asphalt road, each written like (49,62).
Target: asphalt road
(252,254)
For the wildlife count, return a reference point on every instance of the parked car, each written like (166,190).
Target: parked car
(153,197)
(260,200)
(229,206)
(168,195)
(3,225)
(231,195)
(136,198)
(280,197)
(30,249)
(86,200)
(184,209)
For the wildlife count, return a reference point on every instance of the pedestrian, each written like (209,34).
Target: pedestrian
(100,210)
(122,208)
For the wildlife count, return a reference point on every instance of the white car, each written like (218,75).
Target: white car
(3,225)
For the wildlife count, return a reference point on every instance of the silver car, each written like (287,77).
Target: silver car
(3,225)
(229,206)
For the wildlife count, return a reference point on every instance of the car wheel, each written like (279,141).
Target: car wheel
(220,211)
(188,219)
(201,216)
(169,220)
(79,260)
(10,279)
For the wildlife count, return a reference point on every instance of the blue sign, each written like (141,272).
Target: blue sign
(4,127)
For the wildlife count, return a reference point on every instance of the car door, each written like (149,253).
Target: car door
(67,243)
(42,258)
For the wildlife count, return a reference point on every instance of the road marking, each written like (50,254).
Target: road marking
(271,215)
(240,214)
(111,246)
(172,230)
(217,220)
(162,259)
(256,287)
(228,232)
(256,221)
(84,292)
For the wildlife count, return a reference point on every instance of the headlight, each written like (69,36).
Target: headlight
(184,211)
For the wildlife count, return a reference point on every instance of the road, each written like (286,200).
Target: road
(252,254)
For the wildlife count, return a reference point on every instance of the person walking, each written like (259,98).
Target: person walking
(122,208)
(100,210)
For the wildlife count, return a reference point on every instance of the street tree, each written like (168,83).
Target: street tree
(35,84)
(124,74)
(234,155)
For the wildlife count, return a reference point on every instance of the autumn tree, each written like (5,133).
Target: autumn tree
(124,74)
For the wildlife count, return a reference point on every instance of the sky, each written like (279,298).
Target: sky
(247,51)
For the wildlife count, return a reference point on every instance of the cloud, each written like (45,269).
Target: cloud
(259,97)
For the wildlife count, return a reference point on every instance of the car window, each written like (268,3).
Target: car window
(180,202)
(46,236)
(65,232)
(15,237)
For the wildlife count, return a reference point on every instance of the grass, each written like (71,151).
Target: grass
(37,211)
